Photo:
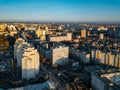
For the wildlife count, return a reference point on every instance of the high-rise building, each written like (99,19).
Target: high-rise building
(27,58)
(106,81)
(60,55)
(20,51)
(30,63)
(111,59)
(101,36)
(93,54)
(83,33)
(67,37)
(117,61)
(46,28)
(4,43)
(18,42)
(88,33)
(3,26)
(105,58)
(82,56)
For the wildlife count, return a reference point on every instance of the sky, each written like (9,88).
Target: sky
(60,10)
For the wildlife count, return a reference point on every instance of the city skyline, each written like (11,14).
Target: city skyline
(60,10)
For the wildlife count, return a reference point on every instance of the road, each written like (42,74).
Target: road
(54,78)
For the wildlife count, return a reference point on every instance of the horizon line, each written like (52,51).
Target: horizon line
(82,22)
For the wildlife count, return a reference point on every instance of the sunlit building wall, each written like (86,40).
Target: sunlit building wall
(83,33)
(20,52)
(101,36)
(68,37)
(59,54)
(30,63)
(105,58)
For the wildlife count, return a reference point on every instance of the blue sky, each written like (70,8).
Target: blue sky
(60,10)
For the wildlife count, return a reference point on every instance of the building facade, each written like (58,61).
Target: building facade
(105,58)
(30,63)
(59,55)
(67,37)
(27,59)
(83,33)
